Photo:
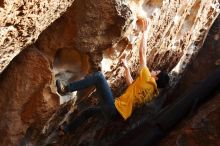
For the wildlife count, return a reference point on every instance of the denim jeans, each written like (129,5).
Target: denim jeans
(107,106)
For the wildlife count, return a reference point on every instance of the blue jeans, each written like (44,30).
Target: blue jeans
(107,106)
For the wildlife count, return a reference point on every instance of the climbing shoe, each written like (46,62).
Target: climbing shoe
(61,88)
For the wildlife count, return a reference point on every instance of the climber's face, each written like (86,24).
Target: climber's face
(154,74)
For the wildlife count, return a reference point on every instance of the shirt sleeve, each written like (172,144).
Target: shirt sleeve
(145,74)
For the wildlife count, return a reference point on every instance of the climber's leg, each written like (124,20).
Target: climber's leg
(97,79)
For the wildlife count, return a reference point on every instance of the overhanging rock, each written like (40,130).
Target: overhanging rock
(92,35)
(22,22)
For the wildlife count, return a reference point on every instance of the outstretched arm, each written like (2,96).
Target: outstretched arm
(128,76)
(142,47)
(142,51)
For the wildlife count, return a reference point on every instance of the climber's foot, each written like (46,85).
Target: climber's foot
(61,88)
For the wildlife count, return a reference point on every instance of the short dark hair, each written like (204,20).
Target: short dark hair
(163,79)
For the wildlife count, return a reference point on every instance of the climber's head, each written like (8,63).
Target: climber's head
(162,78)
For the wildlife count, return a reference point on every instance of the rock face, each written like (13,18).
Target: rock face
(1,3)
(91,35)
(25,95)
(201,127)
(85,31)
(22,22)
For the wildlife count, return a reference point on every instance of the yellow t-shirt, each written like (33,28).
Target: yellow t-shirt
(143,89)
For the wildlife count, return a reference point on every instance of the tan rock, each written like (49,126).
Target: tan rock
(25,95)
(77,43)
(21,23)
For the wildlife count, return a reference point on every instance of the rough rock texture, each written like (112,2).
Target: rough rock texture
(201,127)
(91,35)
(1,3)
(25,95)
(21,23)
(178,46)
(84,31)
(74,44)
(175,35)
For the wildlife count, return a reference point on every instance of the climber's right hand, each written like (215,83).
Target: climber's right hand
(141,24)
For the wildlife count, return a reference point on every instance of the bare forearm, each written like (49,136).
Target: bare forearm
(128,76)
(142,51)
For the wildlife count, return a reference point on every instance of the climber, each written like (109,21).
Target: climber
(143,89)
